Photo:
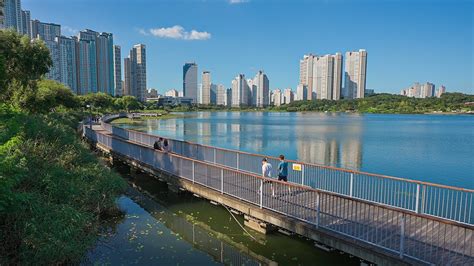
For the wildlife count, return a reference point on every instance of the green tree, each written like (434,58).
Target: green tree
(22,62)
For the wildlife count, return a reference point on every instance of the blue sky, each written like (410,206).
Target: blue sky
(406,41)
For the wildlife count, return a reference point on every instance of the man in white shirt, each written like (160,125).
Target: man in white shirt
(267,172)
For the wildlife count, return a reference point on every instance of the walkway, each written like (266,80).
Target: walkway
(397,223)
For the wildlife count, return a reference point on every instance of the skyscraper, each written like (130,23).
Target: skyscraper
(105,63)
(355,74)
(288,96)
(12,15)
(118,71)
(206,88)
(49,33)
(240,91)
(213,93)
(302,92)
(306,74)
(221,95)
(68,62)
(323,76)
(137,74)
(190,84)
(262,86)
(25,22)
(277,97)
(337,76)
(86,68)
(127,73)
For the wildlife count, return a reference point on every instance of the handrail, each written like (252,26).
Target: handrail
(375,226)
(305,163)
(446,202)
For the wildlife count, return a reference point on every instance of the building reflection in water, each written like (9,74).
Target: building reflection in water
(328,139)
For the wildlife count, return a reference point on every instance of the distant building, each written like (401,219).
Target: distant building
(355,74)
(306,75)
(369,92)
(221,95)
(152,93)
(418,90)
(302,92)
(25,23)
(277,97)
(206,88)
(440,91)
(172,93)
(190,81)
(49,33)
(229,98)
(135,72)
(12,18)
(68,62)
(261,86)
(118,71)
(288,96)
(174,101)
(240,91)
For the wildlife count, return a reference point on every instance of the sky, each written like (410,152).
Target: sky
(406,41)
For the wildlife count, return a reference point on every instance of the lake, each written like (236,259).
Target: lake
(431,148)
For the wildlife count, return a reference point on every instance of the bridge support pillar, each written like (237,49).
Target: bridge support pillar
(259,226)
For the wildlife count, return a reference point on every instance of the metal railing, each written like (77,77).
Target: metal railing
(401,232)
(447,202)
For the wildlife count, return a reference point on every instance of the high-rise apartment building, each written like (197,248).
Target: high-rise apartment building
(355,74)
(86,68)
(440,91)
(49,33)
(127,74)
(12,18)
(240,91)
(190,82)
(172,93)
(418,90)
(337,76)
(277,97)
(261,89)
(288,96)
(302,92)
(206,88)
(118,71)
(68,62)
(327,76)
(221,98)
(428,90)
(25,22)
(135,72)
(306,74)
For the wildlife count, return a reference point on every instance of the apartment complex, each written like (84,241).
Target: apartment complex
(135,72)
(425,90)
(190,81)
(355,74)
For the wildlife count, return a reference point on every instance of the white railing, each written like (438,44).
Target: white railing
(404,233)
(455,204)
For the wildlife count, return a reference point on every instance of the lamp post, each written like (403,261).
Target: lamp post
(90,115)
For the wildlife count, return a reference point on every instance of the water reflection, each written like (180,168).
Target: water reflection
(424,147)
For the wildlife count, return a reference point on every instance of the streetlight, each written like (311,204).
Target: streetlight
(90,115)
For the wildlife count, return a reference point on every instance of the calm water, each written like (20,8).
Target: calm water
(433,148)
(165,228)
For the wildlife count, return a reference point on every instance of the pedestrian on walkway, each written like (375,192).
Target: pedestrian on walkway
(283,170)
(267,172)
(158,144)
(165,146)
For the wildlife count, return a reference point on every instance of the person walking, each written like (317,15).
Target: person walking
(283,170)
(158,144)
(267,172)
(165,146)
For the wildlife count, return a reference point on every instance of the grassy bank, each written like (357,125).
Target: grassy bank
(53,191)
(126,120)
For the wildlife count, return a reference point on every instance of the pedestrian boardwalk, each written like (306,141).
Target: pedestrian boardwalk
(403,232)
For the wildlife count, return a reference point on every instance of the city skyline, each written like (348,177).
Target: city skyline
(207,43)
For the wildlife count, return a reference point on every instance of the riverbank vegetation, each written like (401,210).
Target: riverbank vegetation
(387,104)
(53,191)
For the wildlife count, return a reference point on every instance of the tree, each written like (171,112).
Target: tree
(22,62)
(52,94)
(128,103)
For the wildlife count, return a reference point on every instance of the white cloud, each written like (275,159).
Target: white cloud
(177,32)
(235,2)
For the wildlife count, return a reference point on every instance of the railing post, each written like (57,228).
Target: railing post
(222,181)
(402,235)
(193,172)
(238,157)
(302,174)
(317,209)
(261,193)
(214,155)
(417,200)
(351,185)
